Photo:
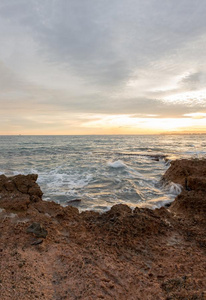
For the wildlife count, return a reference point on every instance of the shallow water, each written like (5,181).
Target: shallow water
(100,170)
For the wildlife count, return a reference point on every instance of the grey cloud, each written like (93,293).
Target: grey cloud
(137,106)
(100,41)
(8,79)
(190,82)
(157,107)
(194,81)
(108,40)
(104,43)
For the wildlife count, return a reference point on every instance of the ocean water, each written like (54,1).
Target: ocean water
(96,172)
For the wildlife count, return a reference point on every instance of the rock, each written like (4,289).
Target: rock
(26,184)
(37,230)
(121,254)
(14,202)
(191,174)
(180,170)
(17,192)
(74,201)
(3,179)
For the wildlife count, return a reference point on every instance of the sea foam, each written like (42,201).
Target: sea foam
(174,188)
(117,164)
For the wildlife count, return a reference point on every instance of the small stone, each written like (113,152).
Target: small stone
(37,242)
(36,229)
(21,264)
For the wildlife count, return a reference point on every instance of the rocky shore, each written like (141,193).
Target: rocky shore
(53,252)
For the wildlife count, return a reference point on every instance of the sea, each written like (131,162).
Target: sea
(97,172)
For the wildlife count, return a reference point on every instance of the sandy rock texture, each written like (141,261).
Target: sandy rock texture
(51,252)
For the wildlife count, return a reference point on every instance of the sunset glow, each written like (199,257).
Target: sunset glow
(131,124)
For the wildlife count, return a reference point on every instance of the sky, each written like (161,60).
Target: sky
(102,66)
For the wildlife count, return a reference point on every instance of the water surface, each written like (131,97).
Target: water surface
(96,172)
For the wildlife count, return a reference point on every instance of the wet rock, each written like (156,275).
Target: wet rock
(74,202)
(191,174)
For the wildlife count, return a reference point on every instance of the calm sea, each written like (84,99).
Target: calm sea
(96,172)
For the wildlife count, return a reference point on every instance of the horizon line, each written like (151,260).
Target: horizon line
(137,134)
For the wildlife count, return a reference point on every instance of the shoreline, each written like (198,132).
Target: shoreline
(72,255)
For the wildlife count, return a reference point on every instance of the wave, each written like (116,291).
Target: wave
(152,156)
(155,203)
(71,181)
(117,164)
(173,188)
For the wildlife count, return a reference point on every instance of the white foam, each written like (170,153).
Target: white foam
(25,172)
(17,173)
(174,188)
(155,203)
(146,205)
(117,164)
(63,183)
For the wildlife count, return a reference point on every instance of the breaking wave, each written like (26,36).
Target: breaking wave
(117,164)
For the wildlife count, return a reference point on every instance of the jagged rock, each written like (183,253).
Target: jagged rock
(3,179)
(139,254)
(191,174)
(27,184)
(14,202)
(180,170)
(17,192)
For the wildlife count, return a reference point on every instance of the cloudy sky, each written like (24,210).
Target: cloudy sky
(102,66)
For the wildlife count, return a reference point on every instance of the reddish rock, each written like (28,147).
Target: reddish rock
(180,170)
(191,174)
(121,254)
(3,179)
(15,202)
(17,192)
(27,184)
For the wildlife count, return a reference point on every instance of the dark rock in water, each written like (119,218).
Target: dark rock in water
(167,204)
(73,202)
(157,157)
(36,229)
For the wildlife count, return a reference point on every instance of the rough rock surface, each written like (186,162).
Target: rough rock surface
(121,254)
(192,176)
